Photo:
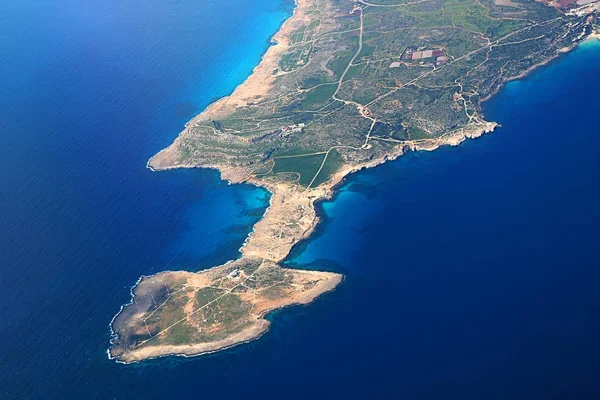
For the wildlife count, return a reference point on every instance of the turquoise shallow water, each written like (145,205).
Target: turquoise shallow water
(470,272)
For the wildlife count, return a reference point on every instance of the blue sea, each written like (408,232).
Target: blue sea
(471,272)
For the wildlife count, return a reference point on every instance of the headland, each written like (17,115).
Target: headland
(347,85)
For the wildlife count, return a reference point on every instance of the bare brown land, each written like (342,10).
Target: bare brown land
(322,104)
(193,313)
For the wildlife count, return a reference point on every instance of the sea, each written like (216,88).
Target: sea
(471,272)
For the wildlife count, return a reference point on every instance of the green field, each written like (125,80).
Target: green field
(319,95)
(305,167)
(332,164)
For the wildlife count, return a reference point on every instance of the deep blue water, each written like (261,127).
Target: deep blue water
(471,272)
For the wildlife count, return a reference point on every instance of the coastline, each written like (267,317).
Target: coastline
(321,282)
(524,74)
(287,203)
(256,84)
(190,351)
(256,244)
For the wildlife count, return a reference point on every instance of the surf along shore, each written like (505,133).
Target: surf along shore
(185,313)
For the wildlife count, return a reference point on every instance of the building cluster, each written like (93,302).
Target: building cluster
(584,7)
(355,10)
(570,3)
(436,56)
(291,129)
(364,111)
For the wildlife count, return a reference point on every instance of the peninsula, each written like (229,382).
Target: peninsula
(346,85)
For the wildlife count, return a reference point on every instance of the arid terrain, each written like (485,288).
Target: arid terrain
(192,313)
